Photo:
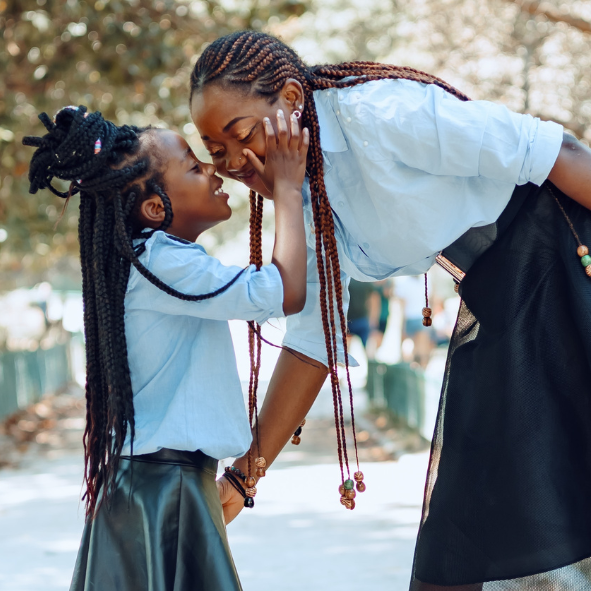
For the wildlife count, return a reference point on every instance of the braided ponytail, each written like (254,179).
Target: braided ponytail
(105,164)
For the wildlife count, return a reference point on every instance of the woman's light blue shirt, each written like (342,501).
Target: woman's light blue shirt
(408,169)
(186,390)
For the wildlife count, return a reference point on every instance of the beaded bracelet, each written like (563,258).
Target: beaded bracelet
(236,471)
(247,493)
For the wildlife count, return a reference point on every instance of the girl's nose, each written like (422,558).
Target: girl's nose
(210,169)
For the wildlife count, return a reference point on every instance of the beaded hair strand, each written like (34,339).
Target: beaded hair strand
(259,64)
(106,165)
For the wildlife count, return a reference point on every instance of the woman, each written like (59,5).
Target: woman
(401,165)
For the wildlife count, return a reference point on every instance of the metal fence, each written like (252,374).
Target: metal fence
(25,376)
(400,389)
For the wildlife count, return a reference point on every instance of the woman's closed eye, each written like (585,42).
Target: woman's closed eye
(247,136)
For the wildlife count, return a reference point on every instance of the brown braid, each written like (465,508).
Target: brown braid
(254,329)
(259,64)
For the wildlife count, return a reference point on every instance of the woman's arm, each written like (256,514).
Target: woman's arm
(571,172)
(294,386)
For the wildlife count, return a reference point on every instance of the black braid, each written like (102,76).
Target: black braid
(112,184)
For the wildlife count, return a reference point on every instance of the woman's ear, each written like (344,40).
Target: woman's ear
(152,212)
(293,93)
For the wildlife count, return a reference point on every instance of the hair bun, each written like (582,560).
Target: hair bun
(76,148)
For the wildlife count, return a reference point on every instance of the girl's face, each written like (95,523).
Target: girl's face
(229,122)
(193,187)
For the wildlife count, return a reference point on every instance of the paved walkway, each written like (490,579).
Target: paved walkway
(298,537)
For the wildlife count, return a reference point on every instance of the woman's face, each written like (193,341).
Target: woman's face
(197,200)
(229,122)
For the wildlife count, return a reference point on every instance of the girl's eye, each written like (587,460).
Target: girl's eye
(196,168)
(215,153)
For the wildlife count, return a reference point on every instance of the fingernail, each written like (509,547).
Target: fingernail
(280,112)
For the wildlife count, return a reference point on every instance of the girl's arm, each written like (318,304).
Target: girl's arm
(572,171)
(285,162)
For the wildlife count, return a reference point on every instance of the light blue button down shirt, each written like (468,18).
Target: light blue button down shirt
(408,169)
(186,390)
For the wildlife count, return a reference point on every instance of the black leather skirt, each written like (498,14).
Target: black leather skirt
(163,530)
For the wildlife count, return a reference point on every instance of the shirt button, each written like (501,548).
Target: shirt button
(338,112)
(348,119)
(341,204)
(366,144)
(366,245)
(312,227)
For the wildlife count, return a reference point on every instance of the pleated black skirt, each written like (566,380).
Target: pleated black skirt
(508,496)
(162,531)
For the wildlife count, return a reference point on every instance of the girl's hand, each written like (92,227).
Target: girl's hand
(284,168)
(232,501)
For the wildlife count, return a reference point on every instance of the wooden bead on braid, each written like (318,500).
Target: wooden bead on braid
(426,310)
(296,440)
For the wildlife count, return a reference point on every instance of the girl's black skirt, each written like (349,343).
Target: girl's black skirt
(508,495)
(163,530)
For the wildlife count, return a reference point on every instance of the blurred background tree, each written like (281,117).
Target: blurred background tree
(131,59)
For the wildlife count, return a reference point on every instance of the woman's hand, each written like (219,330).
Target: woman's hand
(284,168)
(232,501)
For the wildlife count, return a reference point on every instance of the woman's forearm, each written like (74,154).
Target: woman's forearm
(292,390)
(572,171)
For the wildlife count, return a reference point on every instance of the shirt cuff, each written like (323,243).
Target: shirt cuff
(266,292)
(317,351)
(543,152)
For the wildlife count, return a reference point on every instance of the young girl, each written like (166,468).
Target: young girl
(401,167)
(164,400)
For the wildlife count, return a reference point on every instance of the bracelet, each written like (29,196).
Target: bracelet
(236,471)
(248,493)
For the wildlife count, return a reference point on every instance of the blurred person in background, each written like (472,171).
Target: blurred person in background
(361,315)
(411,290)
(402,166)
(164,400)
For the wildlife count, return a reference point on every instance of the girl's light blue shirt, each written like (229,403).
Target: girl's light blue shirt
(408,169)
(186,390)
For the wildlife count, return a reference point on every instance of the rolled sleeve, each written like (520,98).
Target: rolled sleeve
(185,267)
(305,332)
(426,128)
(542,153)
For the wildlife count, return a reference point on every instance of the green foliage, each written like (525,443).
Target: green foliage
(130,59)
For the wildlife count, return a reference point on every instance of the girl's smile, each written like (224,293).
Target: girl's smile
(195,191)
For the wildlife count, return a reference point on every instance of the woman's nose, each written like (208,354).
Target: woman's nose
(235,161)
(210,168)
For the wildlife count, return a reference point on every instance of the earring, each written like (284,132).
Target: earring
(297,114)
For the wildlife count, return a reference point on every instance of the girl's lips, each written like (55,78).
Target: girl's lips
(248,179)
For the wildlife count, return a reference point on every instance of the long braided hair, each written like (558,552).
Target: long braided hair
(259,64)
(113,173)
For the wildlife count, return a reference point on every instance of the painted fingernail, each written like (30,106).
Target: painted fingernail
(279,112)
